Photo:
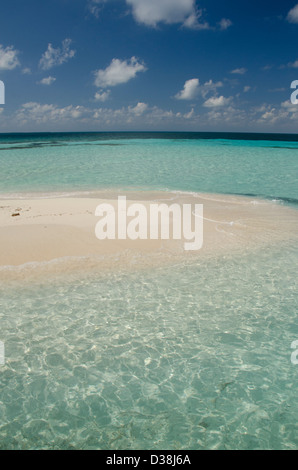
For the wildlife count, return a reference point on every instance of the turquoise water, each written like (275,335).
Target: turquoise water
(77,163)
(195,356)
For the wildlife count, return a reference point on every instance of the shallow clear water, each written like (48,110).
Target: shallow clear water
(74,163)
(192,358)
(195,356)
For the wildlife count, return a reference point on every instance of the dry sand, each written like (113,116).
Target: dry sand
(55,234)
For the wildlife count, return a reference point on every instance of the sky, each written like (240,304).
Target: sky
(148,65)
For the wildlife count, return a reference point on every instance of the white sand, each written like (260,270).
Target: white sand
(64,228)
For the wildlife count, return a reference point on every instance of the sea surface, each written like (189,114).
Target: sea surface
(191,356)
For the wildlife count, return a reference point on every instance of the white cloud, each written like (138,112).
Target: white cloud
(240,71)
(192,22)
(220,113)
(293,65)
(131,114)
(53,57)
(139,109)
(156,11)
(42,113)
(246,89)
(293,15)
(152,12)
(102,96)
(47,81)
(190,114)
(270,116)
(229,114)
(224,24)
(293,108)
(95,6)
(209,87)
(217,102)
(140,115)
(8,58)
(190,90)
(285,114)
(118,72)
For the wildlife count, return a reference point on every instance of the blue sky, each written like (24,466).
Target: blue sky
(98,65)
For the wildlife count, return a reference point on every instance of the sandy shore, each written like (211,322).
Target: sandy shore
(43,230)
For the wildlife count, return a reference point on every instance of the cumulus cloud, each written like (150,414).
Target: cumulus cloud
(284,114)
(53,57)
(153,12)
(49,115)
(220,111)
(240,71)
(118,72)
(141,114)
(190,90)
(209,87)
(217,102)
(42,113)
(293,15)
(47,81)
(289,106)
(8,58)
(139,109)
(270,116)
(102,96)
(192,22)
(167,11)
